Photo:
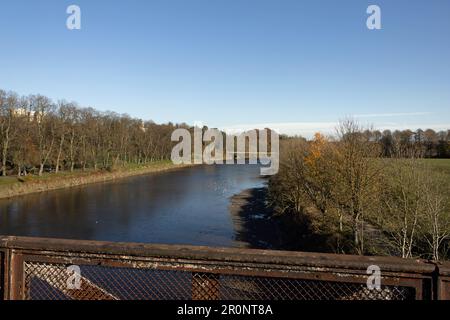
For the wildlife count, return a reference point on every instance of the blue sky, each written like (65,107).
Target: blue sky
(297,65)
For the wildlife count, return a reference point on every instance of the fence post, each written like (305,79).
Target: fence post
(15,275)
(443,281)
(3,278)
(205,286)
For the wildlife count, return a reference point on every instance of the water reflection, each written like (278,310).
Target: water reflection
(188,206)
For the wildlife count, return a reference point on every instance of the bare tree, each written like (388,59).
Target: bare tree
(44,128)
(436,222)
(357,180)
(404,203)
(7,110)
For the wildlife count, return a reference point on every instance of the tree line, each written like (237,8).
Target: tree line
(423,143)
(39,135)
(362,199)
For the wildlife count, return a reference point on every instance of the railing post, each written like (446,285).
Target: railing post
(443,282)
(15,275)
(205,286)
(3,278)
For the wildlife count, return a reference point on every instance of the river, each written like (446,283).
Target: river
(185,206)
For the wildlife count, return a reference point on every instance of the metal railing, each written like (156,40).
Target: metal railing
(42,269)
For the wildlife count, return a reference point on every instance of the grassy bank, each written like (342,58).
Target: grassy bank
(12,186)
(442,165)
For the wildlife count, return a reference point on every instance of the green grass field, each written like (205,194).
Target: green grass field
(439,164)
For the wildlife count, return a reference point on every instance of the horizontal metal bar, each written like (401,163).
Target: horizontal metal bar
(225,255)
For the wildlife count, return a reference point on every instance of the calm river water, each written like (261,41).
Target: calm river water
(186,206)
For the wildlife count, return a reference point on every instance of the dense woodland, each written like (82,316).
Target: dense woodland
(38,135)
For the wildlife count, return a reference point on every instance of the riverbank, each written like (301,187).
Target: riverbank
(254,224)
(13,187)
(257,227)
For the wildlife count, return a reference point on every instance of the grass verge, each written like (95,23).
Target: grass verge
(12,186)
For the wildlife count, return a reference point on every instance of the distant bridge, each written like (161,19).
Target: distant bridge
(38,269)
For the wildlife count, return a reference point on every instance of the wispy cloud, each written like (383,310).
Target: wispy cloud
(394,114)
(289,128)
(308,129)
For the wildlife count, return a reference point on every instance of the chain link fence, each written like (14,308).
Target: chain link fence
(45,281)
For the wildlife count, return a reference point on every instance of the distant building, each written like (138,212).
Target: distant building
(22,112)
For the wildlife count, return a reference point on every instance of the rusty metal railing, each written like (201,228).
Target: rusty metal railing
(42,269)
(443,281)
